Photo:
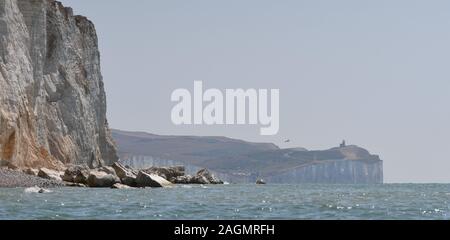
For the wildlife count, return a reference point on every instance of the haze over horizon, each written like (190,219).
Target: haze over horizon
(372,72)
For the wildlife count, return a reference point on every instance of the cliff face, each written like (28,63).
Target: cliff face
(338,171)
(52,100)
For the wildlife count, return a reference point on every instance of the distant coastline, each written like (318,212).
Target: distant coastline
(244,162)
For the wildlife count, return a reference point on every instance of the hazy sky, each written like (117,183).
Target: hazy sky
(375,73)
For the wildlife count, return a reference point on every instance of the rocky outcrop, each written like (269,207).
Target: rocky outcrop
(169,173)
(205,177)
(52,99)
(187,179)
(119,177)
(100,179)
(50,174)
(127,176)
(260,182)
(76,174)
(202,177)
(108,170)
(31,171)
(151,180)
(177,175)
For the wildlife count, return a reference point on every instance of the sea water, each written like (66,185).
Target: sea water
(388,201)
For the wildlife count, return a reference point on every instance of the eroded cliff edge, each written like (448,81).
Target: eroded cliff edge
(52,99)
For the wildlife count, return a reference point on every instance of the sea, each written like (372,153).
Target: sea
(228,202)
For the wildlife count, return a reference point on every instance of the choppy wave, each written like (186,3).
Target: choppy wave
(395,201)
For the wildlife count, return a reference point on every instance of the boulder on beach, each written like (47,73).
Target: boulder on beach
(50,174)
(108,170)
(76,174)
(101,179)
(121,171)
(126,175)
(198,179)
(187,179)
(151,180)
(169,173)
(202,177)
(31,171)
(129,180)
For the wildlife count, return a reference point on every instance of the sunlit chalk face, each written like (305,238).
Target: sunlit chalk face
(235,107)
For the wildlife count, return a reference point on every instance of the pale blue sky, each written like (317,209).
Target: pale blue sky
(373,72)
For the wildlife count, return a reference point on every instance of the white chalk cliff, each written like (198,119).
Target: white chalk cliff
(52,100)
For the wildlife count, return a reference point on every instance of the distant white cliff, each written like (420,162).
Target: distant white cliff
(238,161)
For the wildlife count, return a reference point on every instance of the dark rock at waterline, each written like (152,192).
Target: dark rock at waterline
(126,175)
(121,171)
(260,182)
(129,181)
